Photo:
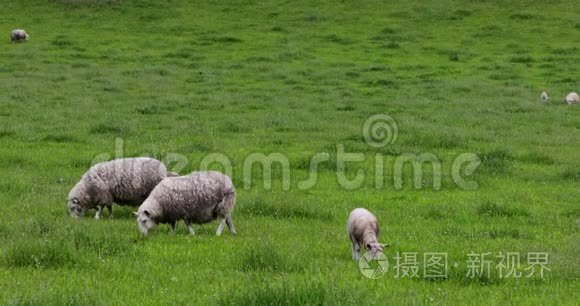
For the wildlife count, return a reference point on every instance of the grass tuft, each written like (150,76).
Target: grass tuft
(496,161)
(258,207)
(435,214)
(265,257)
(501,234)
(523,16)
(570,175)
(337,39)
(492,209)
(149,110)
(454,56)
(39,254)
(291,294)
(107,128)
(59,138)
(100,242)
(536,158)
(62,42)
(522,59)
(232,127)
(224,39)
(6,133)
(345,108)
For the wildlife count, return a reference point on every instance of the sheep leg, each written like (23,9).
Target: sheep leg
(190,228)
(99,211)
(173,224)
(230,224)
(110,209)
(221,226)
(356,251)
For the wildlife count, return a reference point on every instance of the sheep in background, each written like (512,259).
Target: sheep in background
(126,181)
(572,98)
(545,96)
(200,197)
(18,35)
(363,231)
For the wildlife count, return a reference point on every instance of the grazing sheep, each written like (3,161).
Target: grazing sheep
(363,230)
(545,96)
(198,198)
(19,35)
(572,98)
(126,181)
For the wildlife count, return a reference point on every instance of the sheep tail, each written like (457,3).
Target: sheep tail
(225,207)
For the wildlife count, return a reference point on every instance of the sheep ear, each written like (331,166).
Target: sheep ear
(136,214)
(386,245)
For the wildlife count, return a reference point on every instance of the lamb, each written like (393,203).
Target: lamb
(126,181)
(544,96)
(199,197)
(572,98)
(19,35)
(363,230)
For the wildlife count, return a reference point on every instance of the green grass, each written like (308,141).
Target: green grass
(296,78)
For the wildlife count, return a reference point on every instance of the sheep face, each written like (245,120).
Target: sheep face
(79,200)
(75,208)
(376,247)
(144,221)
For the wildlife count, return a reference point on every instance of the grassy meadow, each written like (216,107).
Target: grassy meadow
(296,78)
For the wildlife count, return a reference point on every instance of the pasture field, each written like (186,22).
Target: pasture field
(191,78)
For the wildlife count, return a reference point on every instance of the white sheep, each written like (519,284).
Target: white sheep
(363,231)
(572,98)
(126,181)
(18,35)
(545,96)
(199,197)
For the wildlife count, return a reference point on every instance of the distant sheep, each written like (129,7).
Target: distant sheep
(572,98)
(363,231)
(19,35)
(545,96)
(126,181)
(200,197)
